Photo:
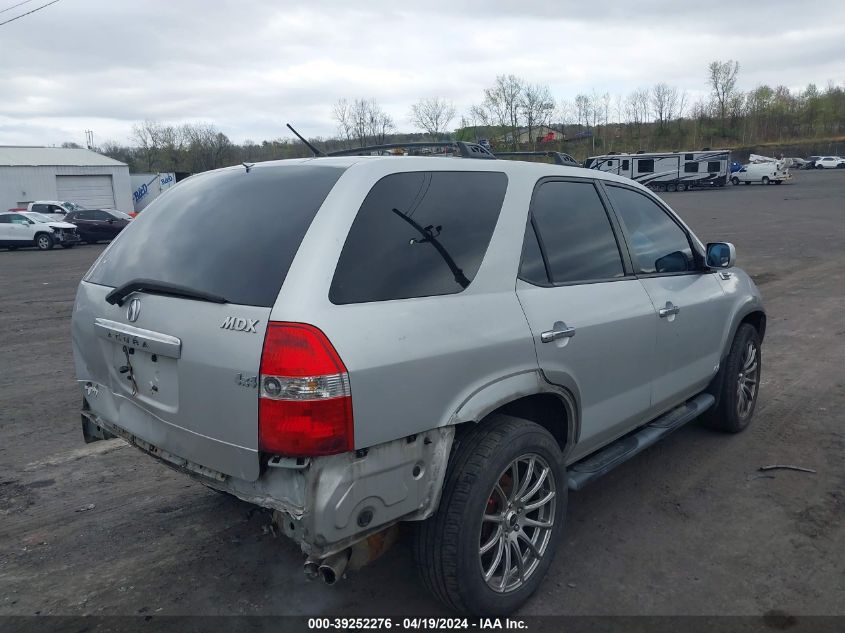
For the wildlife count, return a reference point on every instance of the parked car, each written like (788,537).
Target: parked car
(55,208)
(764,173)
(830,162)
(17,230)
(64,233)
(811,162)
(795,162)
(394,345)
(96,225)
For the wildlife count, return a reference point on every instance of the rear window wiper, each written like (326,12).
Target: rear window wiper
(117,296)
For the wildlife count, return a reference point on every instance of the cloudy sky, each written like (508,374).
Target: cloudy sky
(248,66)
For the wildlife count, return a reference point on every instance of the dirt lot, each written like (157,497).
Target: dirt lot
(688,527)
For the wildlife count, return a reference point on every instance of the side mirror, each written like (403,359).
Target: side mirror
(721,255)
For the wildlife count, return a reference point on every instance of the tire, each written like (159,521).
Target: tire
(732,414)
(819,166)
(68,245)
(734,180)
(479,483)
(777,182)
(44,242)
(682,187)
(671,187)
(747,183)
(765,180)
(661,188)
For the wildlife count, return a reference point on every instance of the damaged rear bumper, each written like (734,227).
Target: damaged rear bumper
(327,503)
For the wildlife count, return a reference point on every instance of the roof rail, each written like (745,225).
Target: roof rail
(560,157)
(466,150)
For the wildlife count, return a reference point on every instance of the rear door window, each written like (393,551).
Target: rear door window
(575,231)
(230,233)
(418,234)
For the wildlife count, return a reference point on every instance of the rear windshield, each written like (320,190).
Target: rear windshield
(230,233)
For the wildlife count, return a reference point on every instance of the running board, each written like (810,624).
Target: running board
(594,466)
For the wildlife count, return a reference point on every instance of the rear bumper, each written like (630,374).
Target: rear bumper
(327,503)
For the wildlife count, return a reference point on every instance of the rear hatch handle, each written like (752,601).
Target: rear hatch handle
(119,294)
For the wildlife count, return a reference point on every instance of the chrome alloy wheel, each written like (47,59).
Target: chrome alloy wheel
(747,381)
(517,524)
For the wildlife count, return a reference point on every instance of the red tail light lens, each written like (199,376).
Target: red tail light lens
(305,404)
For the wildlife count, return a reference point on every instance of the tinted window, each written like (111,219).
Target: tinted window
(691,168)
(576,233)
(610,163)
(418,234)
(5,219)
(714,165)
(532,268)
(40,208)
(656,242)
(689,157)
(228,232)
(102,216)
(645,165)
(625,164)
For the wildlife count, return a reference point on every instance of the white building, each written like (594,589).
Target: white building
(58,173)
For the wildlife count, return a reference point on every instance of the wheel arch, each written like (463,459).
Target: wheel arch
(755,316)
(528,396)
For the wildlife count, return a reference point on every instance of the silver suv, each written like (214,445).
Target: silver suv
(451,342)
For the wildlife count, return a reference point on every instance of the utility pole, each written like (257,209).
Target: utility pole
(89,139)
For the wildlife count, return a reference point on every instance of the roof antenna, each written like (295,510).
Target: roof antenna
(315,151)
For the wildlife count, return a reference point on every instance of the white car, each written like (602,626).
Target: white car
(764,173)
(33,229)
(830,162)
(54,208)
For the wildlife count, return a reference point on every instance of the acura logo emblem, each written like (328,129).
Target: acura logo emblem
(133,310)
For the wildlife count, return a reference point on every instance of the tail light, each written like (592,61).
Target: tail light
(305,404)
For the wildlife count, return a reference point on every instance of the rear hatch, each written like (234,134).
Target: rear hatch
(169,323)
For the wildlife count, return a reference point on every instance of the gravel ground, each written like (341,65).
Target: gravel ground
(688,527)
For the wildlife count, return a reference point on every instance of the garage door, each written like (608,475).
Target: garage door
(94,192)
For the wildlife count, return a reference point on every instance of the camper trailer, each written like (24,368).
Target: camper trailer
(668,171)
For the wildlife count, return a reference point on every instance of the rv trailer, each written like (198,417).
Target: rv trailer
(668,171)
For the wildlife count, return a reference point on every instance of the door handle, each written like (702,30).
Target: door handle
(670,309)
(553,335)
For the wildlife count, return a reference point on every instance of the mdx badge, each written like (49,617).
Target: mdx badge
(133,310)
(239,324)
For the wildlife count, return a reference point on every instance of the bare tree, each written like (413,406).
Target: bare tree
(582,109)
(504,102)
(433,115)
(637,110)
(664,100)
(722,77)
(538,106)
(146,137)
(342,113)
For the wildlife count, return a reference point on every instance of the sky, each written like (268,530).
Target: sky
(250,66)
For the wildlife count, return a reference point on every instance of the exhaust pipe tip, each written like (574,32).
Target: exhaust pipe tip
(311,569)
(331,570)
(328,574)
